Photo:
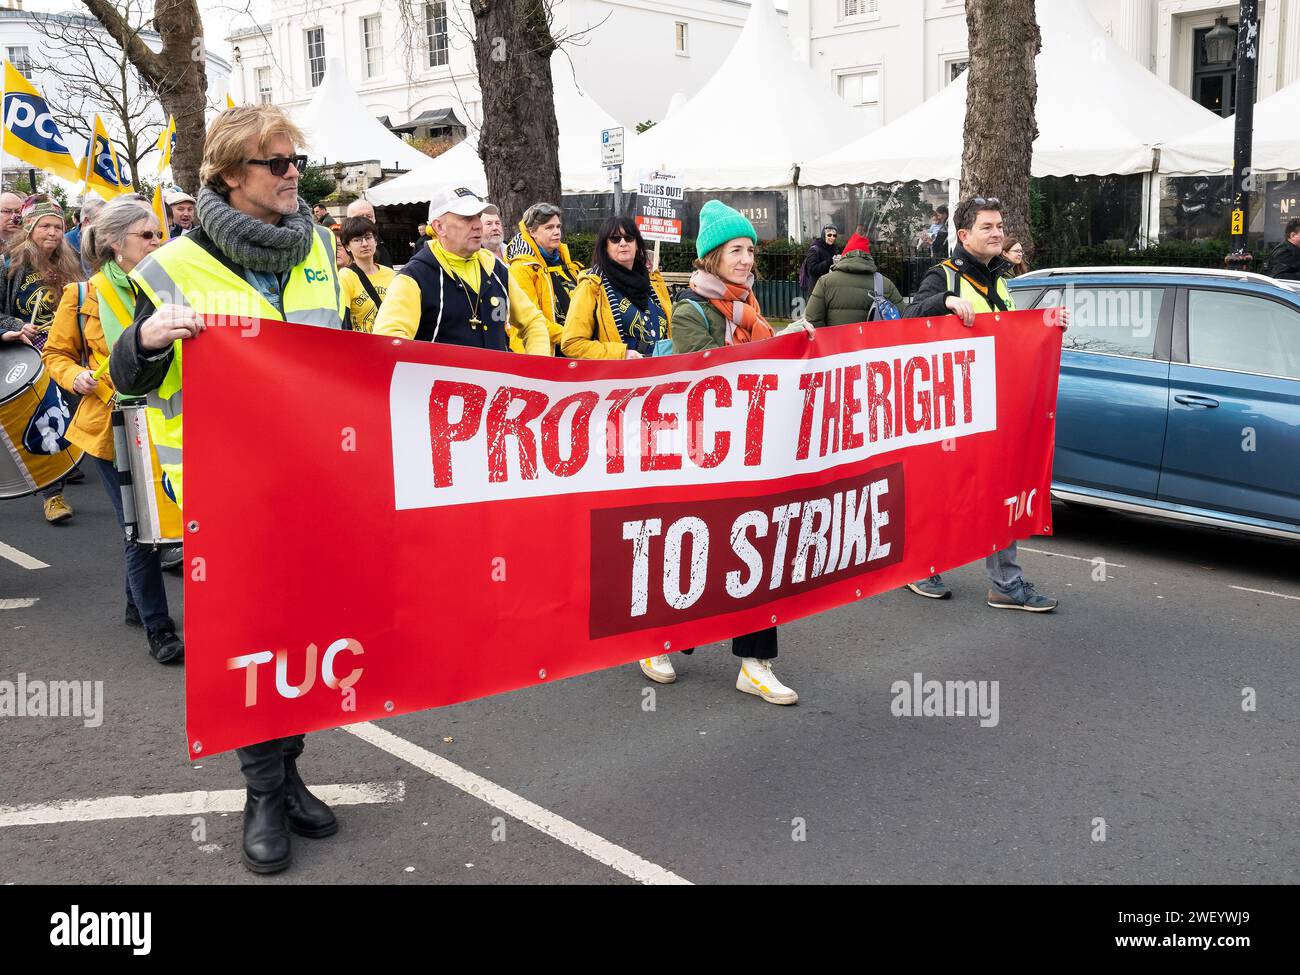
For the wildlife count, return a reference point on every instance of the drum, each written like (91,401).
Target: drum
(34,416)
(151,514)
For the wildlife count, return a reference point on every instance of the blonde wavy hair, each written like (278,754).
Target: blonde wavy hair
(224,152)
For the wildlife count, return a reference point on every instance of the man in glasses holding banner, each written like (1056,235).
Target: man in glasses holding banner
(255,254)
(968,283)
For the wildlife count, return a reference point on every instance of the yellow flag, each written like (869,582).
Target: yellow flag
(166,143)
(30,132)
(103,174)
(229,101)
(159,210)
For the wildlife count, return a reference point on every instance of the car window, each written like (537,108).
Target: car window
(1118,321)
(1242,332)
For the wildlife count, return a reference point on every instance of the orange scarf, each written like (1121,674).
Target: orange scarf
(740,308)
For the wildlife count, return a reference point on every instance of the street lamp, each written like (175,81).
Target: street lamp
(1220,42)
(1243,179)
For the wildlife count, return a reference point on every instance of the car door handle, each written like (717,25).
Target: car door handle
(1191,399)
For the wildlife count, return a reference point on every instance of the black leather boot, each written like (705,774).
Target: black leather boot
(307,815)
(266,838)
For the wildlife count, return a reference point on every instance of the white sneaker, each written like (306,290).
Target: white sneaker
(659,669)
(756,677)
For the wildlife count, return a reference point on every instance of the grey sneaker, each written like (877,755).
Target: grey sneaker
(931,588)
(171,556)
(1025,598)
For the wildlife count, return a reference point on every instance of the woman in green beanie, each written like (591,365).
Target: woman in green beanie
(719,310)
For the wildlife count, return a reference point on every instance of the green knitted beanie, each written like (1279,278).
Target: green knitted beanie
(720,223)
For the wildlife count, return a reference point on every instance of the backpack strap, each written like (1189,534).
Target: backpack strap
(81,322)
(365,283)
(704,316)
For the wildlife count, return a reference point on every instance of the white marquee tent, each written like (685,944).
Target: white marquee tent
(580,121)
(339,127)
(1275,145)
(1099,112)
(759,116)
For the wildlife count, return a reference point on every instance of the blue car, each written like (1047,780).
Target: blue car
(1179,395)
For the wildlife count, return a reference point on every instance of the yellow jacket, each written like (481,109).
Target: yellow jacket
(529,268)
(67,355)
(527,331)
(589,329)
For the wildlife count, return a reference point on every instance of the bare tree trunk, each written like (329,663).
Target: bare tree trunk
(178,73)
(1002,90)
(519,140)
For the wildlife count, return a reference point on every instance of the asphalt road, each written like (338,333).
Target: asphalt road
(1126,705)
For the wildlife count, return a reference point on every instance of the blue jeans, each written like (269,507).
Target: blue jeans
(144,579)
(1004,572)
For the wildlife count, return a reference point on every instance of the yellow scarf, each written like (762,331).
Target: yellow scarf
(468,269)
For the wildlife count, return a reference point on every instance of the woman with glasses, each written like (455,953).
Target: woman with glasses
(620,309)
(540,264)
(365,281)
(39,265)
(1013,252)
(88,320)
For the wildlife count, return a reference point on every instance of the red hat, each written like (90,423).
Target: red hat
(858,243)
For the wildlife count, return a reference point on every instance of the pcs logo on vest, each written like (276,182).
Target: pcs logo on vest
(321,275)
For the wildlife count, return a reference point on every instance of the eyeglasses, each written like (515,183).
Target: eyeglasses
(146,234)
(363,239)
(622,239)
(279,165)
(979,201)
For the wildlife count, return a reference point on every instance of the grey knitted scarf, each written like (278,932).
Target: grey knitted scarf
(251,243)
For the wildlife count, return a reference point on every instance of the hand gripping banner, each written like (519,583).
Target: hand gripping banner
(376,526)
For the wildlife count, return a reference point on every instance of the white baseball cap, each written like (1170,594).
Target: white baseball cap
(458,200)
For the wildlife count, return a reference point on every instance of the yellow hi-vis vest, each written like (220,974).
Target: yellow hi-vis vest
(183,273)
(964,287)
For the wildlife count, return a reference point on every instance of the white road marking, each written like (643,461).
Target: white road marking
(1076,558)
(1265,592)
(20,558)
(183,804)
(21,603)
(570,834)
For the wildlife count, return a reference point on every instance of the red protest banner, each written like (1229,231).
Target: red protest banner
(380,526)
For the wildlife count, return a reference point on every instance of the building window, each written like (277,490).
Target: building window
(262,78)
(435,31)
(858,8)
(21,58)
(682,39)
(1213,85)
(372,46)
(952,70)
(861,89)
(316,55)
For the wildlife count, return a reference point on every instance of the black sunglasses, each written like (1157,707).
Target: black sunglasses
(279,165)
(979,201)
(622,239)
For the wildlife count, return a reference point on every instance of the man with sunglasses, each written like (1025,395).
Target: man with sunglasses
(968,283)
(819,260)
(256,253)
